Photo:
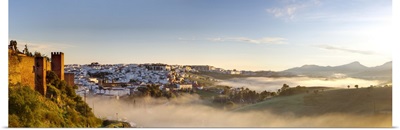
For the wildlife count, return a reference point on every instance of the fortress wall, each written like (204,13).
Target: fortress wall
(27,65)
(14,69)
(21,70)
(69,78)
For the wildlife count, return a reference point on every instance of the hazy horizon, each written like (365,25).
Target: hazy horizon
(232,69)
(256,35)
(273,84)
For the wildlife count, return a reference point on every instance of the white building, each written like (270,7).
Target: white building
(183,86)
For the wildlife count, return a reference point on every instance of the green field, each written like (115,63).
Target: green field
(355,101)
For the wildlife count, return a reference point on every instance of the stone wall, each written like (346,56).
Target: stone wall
(48,65)
(31,71)
(27,71)
(69,78)
(21,70)
(14,69)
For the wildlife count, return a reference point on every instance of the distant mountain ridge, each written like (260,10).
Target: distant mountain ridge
(353,69)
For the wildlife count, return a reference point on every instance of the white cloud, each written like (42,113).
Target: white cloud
(290,9)
(265,40)
(287,12)
(309,10)
(216,39)
(328,47)
(273,40)
(188,39)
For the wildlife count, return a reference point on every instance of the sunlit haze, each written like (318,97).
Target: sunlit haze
(230,34)
(260,83)
(274,63)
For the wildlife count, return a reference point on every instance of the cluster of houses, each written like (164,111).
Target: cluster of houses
(124,79)
(207,68)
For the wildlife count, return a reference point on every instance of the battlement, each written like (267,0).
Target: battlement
(57,53)
(31,71)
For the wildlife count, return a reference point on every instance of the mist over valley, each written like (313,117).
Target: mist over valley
(273,84)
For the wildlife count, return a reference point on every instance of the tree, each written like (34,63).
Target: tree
(356,86)
(227,90)
(132,81)
(13,45)
(273,94)
(284,87)
(37,54)
(143,90)
(26,51)
(348,86)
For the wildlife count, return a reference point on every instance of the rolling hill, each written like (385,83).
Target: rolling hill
(362,101)
(354,69)
(363,107)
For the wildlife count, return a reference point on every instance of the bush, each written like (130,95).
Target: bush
(13,121)
(60,107)
(115,124)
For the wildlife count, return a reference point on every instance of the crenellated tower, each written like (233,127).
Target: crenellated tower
(57,64)
(31,70)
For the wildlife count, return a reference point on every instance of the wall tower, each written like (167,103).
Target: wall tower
(69,78)
(57,64)
(40,75)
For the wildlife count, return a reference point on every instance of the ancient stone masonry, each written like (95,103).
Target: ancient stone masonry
(57,64)
(21,70)
(69,78)
(20,67)
(31,71)
(40,75)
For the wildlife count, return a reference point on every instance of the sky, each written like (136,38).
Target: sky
(231,34)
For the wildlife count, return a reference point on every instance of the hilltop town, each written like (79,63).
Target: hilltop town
(125,79)
(113,80)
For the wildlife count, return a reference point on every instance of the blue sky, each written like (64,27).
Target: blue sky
(231,34)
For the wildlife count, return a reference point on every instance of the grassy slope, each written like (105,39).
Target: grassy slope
(355,101)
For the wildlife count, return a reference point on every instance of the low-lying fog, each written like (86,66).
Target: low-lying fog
(273,84)
(190,111)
